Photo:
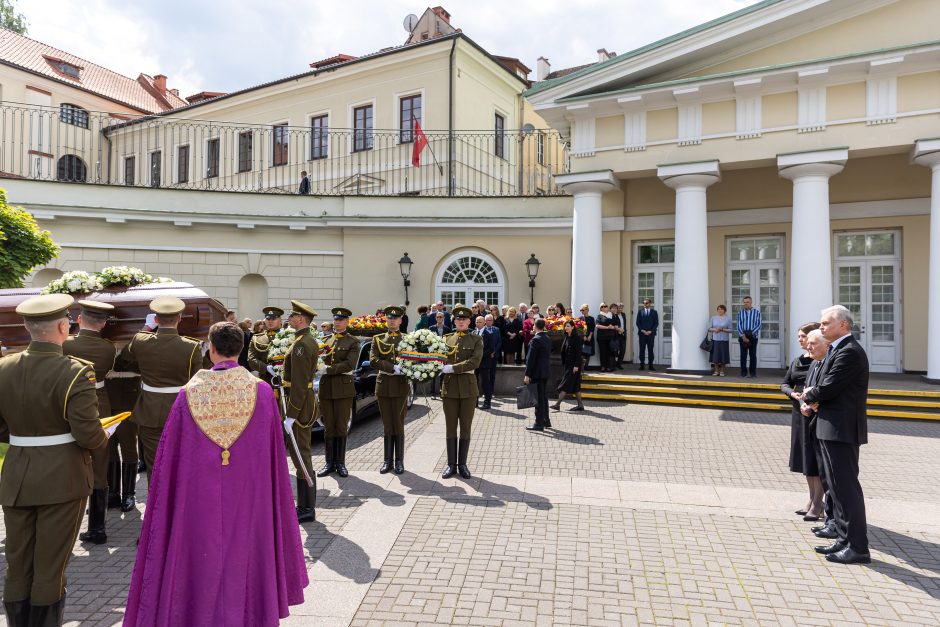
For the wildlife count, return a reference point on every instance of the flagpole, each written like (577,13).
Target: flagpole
(414,121)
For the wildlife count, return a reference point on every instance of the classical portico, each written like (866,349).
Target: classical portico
(927,153)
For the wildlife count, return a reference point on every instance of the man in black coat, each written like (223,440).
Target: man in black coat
(537,370)
(647,323)
(492,347)
(840,399)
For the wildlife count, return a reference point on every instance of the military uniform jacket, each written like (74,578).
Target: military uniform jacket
(343,353)
(90,346)
(164,360)
(43,392)
(300,364)
(382,356)
(465,355)
(258,353)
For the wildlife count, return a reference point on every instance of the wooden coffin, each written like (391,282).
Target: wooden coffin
(132,304)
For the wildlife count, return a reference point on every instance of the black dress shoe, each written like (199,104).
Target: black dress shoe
(818,528)
(578,407)
(809,518)
(848,555)
(341,470)
(548,424)
(449,471)
(463,471)
(835,547)
(305,514)
(486,406)
(535,428)
(652,369)
(800,512)
(642,367)
(828,533)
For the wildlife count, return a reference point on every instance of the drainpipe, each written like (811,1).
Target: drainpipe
(450,120)
(106,137)
(522,141)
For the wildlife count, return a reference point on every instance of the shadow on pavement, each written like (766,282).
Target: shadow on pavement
(564,436)
(342,556)
(491,493)
(919,554)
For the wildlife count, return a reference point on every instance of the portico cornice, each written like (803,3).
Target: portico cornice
(695,174)
(927,152)
(814,163)
(598,182)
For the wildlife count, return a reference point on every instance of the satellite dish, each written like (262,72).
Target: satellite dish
(411,20)
(528,128)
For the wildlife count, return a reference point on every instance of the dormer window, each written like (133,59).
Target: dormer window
(65,68)
(69,70)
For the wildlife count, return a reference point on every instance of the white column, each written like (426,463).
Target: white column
(811,238)
(927,153)
(691,306)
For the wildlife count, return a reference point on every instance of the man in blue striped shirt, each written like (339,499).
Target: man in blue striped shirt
(748,332)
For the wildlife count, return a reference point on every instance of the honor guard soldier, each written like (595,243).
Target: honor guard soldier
(391,389)
(300,365)
(90,346)
(337,391)
(49,414)
(459,391)
(261,342)
(165,361)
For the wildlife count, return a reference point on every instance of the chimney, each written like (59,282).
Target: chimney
(542,68)
(603,55)
(159,81)
(441,13)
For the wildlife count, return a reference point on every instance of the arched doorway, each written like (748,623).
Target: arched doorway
(468,276)
(252,296)
(45,276)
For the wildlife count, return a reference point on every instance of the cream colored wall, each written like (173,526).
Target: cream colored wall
(609,131)
(13,84)
(846,101)
(919,91)
(779,109)
(662,124)
(718,117)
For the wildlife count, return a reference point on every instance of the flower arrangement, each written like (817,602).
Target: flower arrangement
(81,282)
(74,282)
(557,323)
(422,354)
(280,345)
(368,325)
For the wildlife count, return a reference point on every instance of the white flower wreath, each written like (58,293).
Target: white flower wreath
(281,344)
(74,282)
(81,282)
(124,275)
(422,354)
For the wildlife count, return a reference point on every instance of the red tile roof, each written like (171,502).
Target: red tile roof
(36,57)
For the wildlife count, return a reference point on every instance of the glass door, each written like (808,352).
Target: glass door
(755,269)
(654,280)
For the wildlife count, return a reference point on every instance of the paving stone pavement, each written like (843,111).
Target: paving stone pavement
(621,515)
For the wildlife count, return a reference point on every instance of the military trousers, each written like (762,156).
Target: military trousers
(122,446)
(149,441)
(393,410)
(38,548)
(458,412)
(304,436)
(335,413)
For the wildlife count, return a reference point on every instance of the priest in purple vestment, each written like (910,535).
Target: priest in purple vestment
(220,543)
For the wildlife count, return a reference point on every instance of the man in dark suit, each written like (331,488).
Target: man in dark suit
(840,399)
(647,324)
(439,307)
(439,324)
(537,371)
(492,348)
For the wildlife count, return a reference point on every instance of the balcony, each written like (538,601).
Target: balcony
(77,146)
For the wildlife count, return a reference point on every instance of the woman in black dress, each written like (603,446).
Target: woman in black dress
(573,363)
(802,454)
(512,337)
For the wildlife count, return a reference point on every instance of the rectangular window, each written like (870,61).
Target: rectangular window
(362,128)
(499,146)
(212,158)
(320,137)
(540,148)
(130,167)
(281,139)
(409,111)
(156,166)
(245,151)
(182,164)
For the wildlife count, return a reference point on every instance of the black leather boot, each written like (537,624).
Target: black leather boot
(47,615)
(389,446)
(462,459)
(304,506)
(17,613)
(399,453)
(97,506)
(341,457)
(329,466)
(128,487)
(451,468)
(114,485)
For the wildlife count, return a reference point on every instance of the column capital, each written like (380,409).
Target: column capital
(597,182)
(695,174)
(814,163)
(927,152)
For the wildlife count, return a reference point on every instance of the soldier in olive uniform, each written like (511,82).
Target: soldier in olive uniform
(165,361)
(459,391)
(123,391)
(49,415)
(261,342)
(337,391)
(300,365)
(90,346)
(391,389)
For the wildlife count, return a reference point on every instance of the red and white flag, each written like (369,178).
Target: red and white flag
(420,141)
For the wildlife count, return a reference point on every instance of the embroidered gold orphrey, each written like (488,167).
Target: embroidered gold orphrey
(222,402)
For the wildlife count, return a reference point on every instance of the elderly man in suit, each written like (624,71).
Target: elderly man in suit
(839,398)
(492,347)
(537,370)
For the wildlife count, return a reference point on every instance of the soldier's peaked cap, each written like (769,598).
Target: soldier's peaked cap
(271,312)
(394,311)
(461,312)
(46,307)
(97,307)
(298,307)
(167,305)
(340,312)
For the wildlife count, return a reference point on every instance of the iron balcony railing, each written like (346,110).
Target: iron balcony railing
(75,145)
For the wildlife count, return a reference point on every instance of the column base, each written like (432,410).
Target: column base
(927,379)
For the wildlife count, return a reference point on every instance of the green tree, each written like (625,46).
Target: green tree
(23,245)
(9,18)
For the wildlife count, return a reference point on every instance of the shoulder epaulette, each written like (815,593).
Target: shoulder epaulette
(83,362)
(192,339)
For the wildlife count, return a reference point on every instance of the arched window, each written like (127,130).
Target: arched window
(469,276)
(73,114)
(252,296)
(71,168)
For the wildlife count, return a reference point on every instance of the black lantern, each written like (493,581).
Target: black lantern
(532,267)
(404,264)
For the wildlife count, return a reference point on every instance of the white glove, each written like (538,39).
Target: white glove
(321,371)
(448,369)
(397,369)
(110,430)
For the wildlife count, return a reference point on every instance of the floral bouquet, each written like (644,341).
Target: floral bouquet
(368,325)
(422,355)
(280,345)
(125,276)
(74,282)
(557,323)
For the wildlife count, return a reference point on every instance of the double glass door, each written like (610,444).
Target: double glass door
(657,285)
(755,267)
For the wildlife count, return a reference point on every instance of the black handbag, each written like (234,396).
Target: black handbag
(587,348)
(707,343)
(527,396)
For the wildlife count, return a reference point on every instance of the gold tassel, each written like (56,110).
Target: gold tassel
(225,456)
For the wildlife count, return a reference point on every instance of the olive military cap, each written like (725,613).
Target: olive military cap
(298,307)
(461,312)
(272,313)
(167,305)
(394,311)
(94,306)
(340,312)
(46,307)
